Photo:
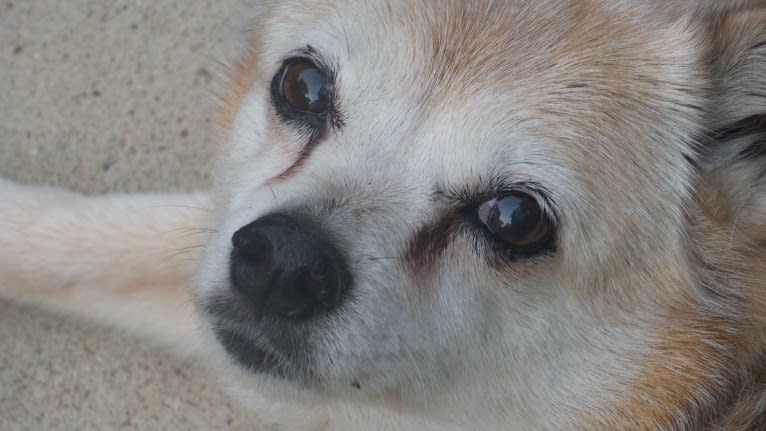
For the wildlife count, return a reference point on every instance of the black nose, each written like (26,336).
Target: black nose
(287,267)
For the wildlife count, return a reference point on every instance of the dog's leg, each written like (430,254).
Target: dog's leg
(122,260)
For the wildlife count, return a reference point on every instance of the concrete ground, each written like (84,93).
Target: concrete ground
(106,96)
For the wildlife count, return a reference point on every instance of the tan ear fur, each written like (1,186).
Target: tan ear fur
(738,58)
(728,218)
(735,157)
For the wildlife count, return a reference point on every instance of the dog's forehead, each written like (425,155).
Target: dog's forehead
(585,75)
(450,47)
(516,59)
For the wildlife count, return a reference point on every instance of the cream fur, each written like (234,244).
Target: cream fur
(647,316)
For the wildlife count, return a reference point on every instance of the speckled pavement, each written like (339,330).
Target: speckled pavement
(99,97)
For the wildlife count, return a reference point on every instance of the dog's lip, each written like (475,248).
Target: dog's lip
(249,354)
(259,359)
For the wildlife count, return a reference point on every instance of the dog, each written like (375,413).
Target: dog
(448,215)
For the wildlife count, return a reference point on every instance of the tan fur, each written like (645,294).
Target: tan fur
(638,113)
(240,80)
(733,254)
(92,273)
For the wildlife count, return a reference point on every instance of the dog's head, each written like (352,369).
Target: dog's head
(478,207)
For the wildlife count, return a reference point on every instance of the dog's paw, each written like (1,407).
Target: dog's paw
(25,210)
(15,197)
(27,226)
(122,259)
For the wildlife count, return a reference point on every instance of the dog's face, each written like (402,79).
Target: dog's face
(455,205)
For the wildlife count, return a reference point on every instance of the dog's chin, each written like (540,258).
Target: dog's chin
(257,359)
(260,344)
(247,385)
(264,389)
(247,367)
(286,369)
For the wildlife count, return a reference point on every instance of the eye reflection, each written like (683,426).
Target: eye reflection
(515,218)
(304,88)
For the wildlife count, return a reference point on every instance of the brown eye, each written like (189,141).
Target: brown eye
(516,219)
(304,87)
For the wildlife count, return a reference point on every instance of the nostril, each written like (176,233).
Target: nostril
(240,240)
(251,265)
(253,247)
(323,284)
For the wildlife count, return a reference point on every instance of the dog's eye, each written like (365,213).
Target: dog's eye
(304,87)
(517,220)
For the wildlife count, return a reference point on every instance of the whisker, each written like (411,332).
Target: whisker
(376,258)
(274,195)
(188,231)
(192,207)
(183,251)
(419,374)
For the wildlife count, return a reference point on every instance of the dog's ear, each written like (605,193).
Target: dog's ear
(734,155)
(737,52)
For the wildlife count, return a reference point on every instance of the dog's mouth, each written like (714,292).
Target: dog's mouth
(260,344)
(257,358)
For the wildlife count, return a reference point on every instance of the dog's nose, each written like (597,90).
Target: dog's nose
(287,267)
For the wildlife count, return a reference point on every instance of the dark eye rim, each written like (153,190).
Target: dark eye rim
(304,121)
(487,240)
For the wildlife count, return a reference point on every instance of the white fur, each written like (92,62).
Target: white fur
(537,344)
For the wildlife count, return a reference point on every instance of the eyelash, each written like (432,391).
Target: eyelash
(488,189)
(306,124)
(467,202)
